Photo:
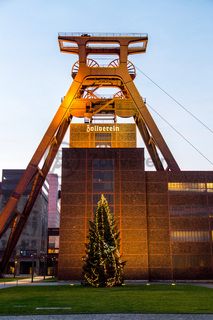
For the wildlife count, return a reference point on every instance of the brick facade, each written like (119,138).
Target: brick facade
(165,222)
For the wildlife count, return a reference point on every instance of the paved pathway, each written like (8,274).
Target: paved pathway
(114,317)
(207,285)
(39,281)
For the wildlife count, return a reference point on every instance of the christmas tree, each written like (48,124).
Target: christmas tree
(103,266)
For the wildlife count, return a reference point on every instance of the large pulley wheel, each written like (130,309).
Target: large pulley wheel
(130,67)
(90,63)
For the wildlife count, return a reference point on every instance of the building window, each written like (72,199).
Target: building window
(103,181)
(209,186)
(53,244)
(188,186)
(103,187)
(189,236)
(190,261)
(24,244)
(189,210)
(103,137)
(109,197)
(191,186)
(103,140)
(53,241)
(33,244)
(103,176)
(103,164)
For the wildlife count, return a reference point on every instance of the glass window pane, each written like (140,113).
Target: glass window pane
(109,197)
(190,236)
(103,164)
(187,186)
(103,137)
(106,186)
(102,176)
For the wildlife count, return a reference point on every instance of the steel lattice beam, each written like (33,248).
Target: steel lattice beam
(38,181)
(87,78)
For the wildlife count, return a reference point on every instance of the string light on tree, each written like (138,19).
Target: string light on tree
(103,266)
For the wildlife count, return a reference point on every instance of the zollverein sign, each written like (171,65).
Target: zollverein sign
(97,128)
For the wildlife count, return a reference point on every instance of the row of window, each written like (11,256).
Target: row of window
(103,137)
(191,186)
(190,236)
(183,210)
(190,261)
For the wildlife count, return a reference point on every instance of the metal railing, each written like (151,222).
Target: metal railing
(101,34)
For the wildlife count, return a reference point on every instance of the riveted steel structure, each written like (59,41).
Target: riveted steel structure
(81,100)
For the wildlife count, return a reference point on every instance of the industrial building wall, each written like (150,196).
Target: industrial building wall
(191,219)
(119,174)
(158,226)
(165,219)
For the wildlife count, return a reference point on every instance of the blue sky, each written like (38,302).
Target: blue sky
(34,75)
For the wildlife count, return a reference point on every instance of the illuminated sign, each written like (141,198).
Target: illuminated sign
(97,128)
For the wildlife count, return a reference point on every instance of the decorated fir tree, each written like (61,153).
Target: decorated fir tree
(103,266)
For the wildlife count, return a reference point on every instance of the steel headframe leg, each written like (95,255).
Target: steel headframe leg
(38,181)
(8,213)
(150,144)
(33,177)
(149,130)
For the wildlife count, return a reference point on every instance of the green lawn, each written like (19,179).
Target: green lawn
(126,299)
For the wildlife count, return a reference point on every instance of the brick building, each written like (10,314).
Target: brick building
(33,240)
(165,218)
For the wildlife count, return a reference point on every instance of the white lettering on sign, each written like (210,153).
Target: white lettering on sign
(97,128)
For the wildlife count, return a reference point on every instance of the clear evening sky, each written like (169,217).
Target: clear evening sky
(34,75)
